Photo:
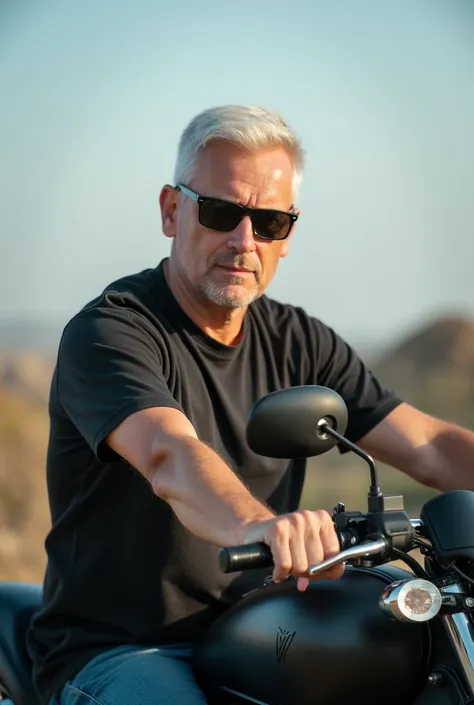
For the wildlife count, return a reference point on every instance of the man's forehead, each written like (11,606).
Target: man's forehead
(227,170)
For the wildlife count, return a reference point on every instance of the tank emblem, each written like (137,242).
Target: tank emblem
(283,643)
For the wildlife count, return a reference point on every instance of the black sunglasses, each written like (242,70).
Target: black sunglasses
(217,214)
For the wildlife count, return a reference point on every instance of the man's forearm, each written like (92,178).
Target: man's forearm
(449,459)
(205,494)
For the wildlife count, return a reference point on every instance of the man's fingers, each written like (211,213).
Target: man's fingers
(280,546)
(297,541)
(328,535)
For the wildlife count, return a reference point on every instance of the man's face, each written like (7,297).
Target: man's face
(230,269)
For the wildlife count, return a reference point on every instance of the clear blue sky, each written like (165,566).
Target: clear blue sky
(94,96)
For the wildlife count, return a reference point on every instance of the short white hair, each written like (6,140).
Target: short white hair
(247,126)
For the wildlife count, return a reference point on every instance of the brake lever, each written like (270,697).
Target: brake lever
(350,554)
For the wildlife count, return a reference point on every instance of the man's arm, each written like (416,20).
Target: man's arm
(211,501)
(433,452)
(207,497)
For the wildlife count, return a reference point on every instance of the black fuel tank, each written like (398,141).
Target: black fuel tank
(326,645)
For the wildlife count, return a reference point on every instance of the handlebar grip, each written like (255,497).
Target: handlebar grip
(235,558)
(258,555)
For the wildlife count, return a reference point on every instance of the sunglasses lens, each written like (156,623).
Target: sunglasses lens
(272,225)
(223,216)
(218,215)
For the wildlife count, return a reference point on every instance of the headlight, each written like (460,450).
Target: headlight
(415,600)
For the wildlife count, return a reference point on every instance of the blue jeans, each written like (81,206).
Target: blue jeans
(134,675)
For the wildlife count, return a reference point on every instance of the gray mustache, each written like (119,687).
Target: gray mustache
(238,261)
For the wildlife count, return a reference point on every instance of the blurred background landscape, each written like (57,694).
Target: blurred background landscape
(94,98)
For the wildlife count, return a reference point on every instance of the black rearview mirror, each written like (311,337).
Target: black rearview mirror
(288,423)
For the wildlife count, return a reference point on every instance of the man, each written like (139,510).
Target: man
(148,470)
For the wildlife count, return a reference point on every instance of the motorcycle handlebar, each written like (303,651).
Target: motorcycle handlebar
(258,555)
(236,558)
(233,559)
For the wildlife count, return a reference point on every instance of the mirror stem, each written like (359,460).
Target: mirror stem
(325,427)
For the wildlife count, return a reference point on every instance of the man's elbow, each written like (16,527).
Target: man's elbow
(166,465)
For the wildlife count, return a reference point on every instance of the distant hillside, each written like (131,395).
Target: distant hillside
(24,512)
(26,375)
(433,369)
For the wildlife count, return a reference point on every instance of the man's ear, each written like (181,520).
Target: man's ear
(169,210)
(285,247)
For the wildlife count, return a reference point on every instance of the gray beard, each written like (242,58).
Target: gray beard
(221,296)
(218,294)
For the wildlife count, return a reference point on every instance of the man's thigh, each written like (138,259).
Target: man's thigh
(133,675)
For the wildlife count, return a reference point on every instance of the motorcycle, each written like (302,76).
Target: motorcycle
(379,634)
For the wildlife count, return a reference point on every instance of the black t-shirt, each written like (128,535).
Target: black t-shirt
(121,568)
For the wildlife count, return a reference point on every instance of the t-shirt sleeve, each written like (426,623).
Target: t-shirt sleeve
(338,366)
(109,366)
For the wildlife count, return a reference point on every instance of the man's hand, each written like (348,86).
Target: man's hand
(297,541)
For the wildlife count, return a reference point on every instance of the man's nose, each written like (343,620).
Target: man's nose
(242,237)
